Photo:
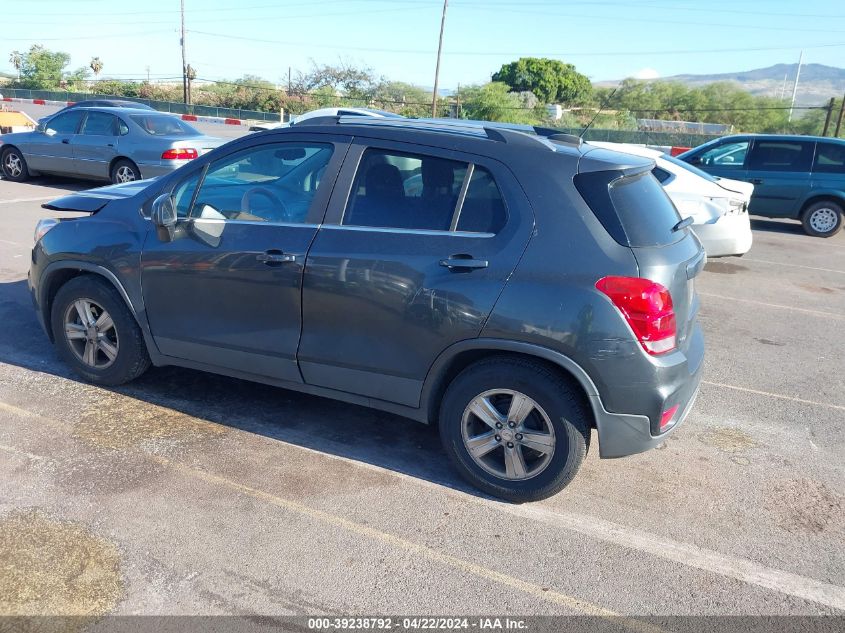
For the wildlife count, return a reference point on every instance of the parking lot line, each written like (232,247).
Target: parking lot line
(543,593)
(746,571)
(769,394)
(767,261)
(819,313)
(14,200)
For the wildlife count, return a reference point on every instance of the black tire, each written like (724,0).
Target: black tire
(13,165)
(121,169)
(822,219)
(566,409)
(131,359)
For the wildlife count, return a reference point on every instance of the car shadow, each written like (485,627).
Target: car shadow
(777,226)
(321,424)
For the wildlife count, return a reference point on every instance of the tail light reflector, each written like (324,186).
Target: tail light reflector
(180,153)
(667,417)
(647,307)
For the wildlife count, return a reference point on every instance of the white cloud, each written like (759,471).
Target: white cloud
(646,73)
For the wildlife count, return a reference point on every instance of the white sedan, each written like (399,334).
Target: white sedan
(367,112)
(718,206)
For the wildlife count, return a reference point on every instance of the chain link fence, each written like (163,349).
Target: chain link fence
(162,106)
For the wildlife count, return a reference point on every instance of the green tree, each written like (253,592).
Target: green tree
(42,68)
(495,102)
(553,81)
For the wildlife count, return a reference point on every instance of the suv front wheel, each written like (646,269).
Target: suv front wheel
(96,334)
(515,428)
(822,219)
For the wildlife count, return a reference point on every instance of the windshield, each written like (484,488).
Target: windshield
(691,168)
(164,125)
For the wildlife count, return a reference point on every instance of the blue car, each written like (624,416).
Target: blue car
(800,177)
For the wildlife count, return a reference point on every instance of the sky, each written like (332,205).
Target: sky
(604,39)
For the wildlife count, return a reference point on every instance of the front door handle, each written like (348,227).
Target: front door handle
(65,141)
(275,257)
(464,262)
(756,181)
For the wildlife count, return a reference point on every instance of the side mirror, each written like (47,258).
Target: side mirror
(163,215)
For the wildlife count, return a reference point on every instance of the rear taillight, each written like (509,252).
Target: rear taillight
(180,153)
(647,307)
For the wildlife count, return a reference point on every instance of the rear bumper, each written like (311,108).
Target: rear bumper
(623,434)
(162,169)
(730,235)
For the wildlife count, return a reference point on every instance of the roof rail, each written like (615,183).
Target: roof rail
(515,137)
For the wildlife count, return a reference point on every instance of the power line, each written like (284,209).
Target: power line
(577,53)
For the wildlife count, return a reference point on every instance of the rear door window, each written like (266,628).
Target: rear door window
(99,124)
(405,191)
(781,156)
(830,159)
(414,191)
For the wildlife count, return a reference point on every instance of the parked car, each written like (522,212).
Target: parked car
(368,112)
(532,289)
(104,144)
(718,207)
(106,103)
(800,177)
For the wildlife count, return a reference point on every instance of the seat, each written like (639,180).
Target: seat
(437,202)
(382,200)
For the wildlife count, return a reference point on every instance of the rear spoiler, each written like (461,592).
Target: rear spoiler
(86,203)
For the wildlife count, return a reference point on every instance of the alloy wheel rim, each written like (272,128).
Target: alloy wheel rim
(13,165)
(125,174)
(508,434)
(91,333)
(823,220)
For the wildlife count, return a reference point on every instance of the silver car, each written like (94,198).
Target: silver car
(104,144)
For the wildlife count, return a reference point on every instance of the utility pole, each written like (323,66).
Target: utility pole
(839,120)
(184,62)
(148,74)
(829,116)
(795,86)
(437,68)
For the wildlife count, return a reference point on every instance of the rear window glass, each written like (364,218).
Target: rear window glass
(163,125)
(830,159)
(635,210)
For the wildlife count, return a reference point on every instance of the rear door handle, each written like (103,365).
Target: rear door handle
(66,141)
(275,257)
(464,262)
(756,181)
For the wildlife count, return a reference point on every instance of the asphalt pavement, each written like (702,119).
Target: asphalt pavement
(189,493)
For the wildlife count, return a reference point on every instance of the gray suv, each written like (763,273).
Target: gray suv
(513,286)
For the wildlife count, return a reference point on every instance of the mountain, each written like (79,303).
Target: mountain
(816,85)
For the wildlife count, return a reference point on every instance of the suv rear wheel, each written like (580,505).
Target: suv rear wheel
(822,219)
(514,428)
(96,334)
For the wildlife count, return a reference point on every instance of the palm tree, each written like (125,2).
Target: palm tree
(16,60)
(96,66)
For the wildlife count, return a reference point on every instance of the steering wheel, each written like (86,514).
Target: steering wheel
(283,214)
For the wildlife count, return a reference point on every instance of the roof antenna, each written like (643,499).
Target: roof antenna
(598,112)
